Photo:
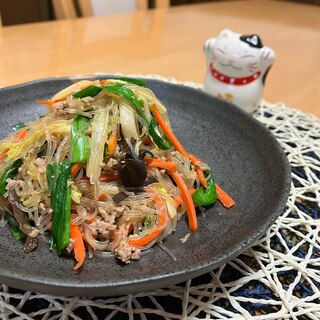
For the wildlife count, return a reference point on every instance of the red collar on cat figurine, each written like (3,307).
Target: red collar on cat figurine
(232,80)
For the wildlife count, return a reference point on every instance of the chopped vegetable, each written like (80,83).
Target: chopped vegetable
(47,103)
(58,177)
(159,227)
(224,198)
(161,142)
(137,82)
(78,245)
(156,163)
(82,84)
(9,173)
(112,144)
(20,135)
(201,177)
(76,167)
(185,195)
(178,200)
(91,91)
(177,144)
(129,95)
(147,223)
(80,143)
(168,132)
(128,123)
(15,230)
(102,197)
(99,135)
(3,154)
(18,126)
(206,196)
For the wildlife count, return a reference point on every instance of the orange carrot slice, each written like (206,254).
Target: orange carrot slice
(224,198)
(168,132)
(177,144)
(78,245)
(157,163)
(112,143)
(76,167)
(178,199)
(157,230)
(186,197)
(3,154)
(102,197)
(20,135)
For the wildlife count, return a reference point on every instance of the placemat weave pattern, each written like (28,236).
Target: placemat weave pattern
(278,278)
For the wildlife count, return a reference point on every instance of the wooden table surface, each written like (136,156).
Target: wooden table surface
(168,42)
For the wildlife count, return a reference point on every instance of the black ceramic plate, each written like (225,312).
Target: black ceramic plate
(248,163)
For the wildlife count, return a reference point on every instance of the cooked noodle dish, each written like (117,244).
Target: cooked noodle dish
(101,174)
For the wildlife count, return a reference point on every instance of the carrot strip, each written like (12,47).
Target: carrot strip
(191,211)
(168,132)
(201,177)
(20,135)
(177,144)
(45,102)
(156,231)
(102,197)
(76,167)
(224,198)
(78,245)
(4,153)
(178,200)
(156,163)
(112,143)
(108,177)
(194,160)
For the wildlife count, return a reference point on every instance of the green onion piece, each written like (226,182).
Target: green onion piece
(162,142)
(91,91)
(129,95)
(15,230)
(147,223)
(80,142)
(58,177)
(18,126)
(137,82)
(9,173)
(206,196)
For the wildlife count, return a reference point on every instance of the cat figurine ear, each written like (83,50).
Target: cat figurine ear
(237,66)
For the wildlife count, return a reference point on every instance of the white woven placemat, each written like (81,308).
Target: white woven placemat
(278,278)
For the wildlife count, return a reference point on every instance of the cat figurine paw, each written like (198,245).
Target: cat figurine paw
(237,66)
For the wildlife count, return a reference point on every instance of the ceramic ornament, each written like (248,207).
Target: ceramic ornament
(237,66)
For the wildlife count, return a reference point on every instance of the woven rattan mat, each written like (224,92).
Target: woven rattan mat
(278,278)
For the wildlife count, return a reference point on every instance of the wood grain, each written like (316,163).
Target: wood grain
(169,42)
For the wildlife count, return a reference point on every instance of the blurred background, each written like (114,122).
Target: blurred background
(28,11)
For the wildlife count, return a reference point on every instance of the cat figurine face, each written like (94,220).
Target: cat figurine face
(237,66)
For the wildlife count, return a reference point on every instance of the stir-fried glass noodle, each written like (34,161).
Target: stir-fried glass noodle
(102,172)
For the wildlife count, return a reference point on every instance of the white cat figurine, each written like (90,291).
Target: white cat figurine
(237,66)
